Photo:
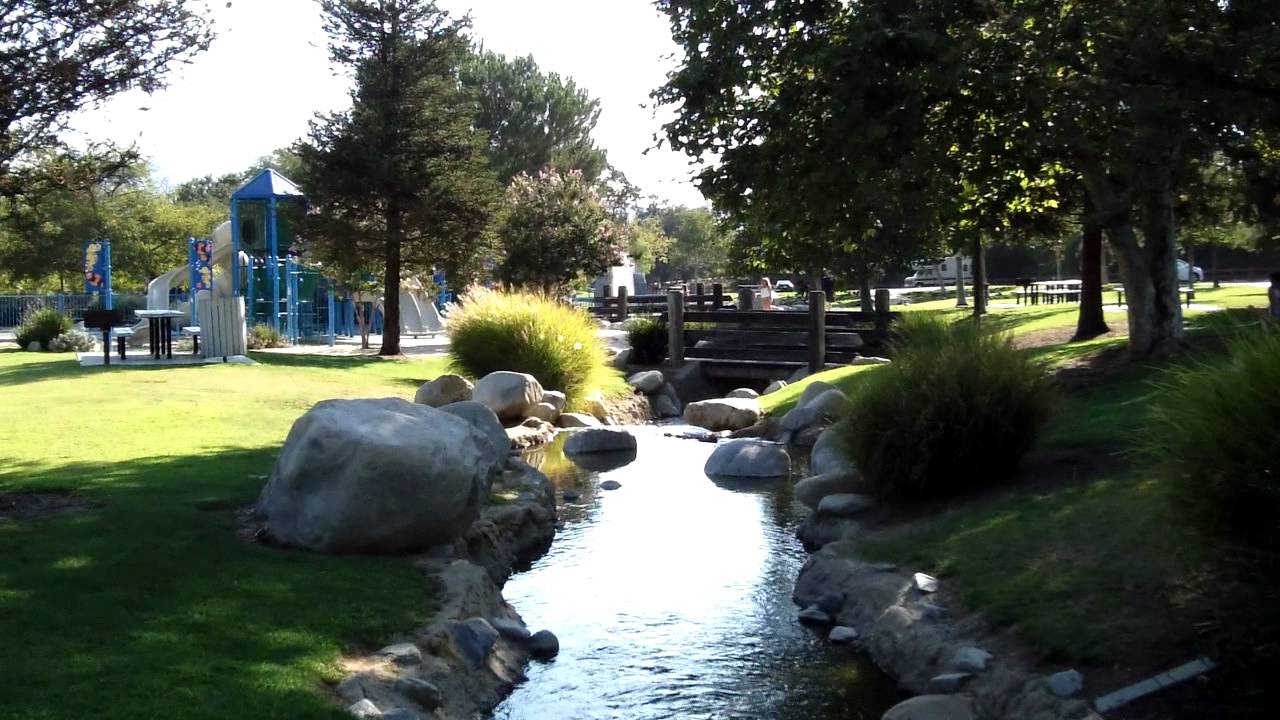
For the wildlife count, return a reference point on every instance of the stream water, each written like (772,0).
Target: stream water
(671,597)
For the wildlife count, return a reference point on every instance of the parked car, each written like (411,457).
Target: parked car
(1185,270)
(785,286)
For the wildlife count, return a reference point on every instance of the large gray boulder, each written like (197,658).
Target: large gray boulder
(818,406)
(555,399)
(774,387)
(724,414)
(444,390)
(544,411)
(377,476)
(578,420)
(599,440)
(813,390)
(508,394)
(932,707)
(748,459)
(743,393)
(647,382)
(813,489)
(484,420)
(828,454)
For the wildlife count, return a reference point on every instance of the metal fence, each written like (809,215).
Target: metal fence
(15,308)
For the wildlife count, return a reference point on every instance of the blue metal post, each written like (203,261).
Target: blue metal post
(251,309)
(273,263)
(235,251)
(291,300)
(108,302)
(191,279)
(333,338)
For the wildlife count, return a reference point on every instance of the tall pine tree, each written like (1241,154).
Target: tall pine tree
(400,179)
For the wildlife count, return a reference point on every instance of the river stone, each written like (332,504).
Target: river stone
(544,411)
(402,654)
(419,691)
(812,615)
(845,504)
(932,707)
(647,382)
(842,634)
(578,420)
(925,583)
(947,683)
(813,390)
(1065,684)
(484,420)
(556,399)
(34,346)
(508,394)
(472,640)
(543,645)
(664,408)
(774,387)
(610,485)
(724,414)
(444,390)
(570,494)
(362,476)
(830,602)
(531,432)
(510,629)
(596,406)
(970,659)
(827,456)
(748,459)
(812,490)
(832,403)
(669,391)
(365,709)
(601,462)
(743,393)
(597,440)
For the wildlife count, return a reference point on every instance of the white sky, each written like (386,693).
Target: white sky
(268,72)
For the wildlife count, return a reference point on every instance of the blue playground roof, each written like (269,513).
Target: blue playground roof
(268,184)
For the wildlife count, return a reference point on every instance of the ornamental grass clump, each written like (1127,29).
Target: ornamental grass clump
(42,326)
(1212,434)
(956,410)
(648,339)
(528,333)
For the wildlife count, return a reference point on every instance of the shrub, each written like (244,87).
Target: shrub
(42,326)
(522,332)
(957,409)
(263,336)
(72,341)
(648,338)
(1212,436)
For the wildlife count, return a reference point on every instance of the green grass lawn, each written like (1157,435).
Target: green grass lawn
(149,605)
(845,378)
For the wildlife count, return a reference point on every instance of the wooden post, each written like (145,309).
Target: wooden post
(675,327)
(882,313)
(717,296)
(702,302)
(817,331)
(622,303)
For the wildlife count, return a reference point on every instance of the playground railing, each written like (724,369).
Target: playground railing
(15,308)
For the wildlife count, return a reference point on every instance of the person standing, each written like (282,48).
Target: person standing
(766,294)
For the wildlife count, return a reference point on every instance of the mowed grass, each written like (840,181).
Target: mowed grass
(846,378)
(149,605)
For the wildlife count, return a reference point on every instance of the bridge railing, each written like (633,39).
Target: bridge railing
(624,305)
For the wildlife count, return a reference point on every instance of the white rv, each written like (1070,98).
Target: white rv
(938,272)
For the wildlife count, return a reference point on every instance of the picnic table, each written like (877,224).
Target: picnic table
(1051,291)
(1188,292)
(160,330)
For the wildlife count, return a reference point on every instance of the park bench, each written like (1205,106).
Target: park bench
(108,322)
(193,331)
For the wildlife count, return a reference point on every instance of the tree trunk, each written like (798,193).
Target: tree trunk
(391,285)
(1091,322)
(864,291)
(363,323)
(961,301)
(1213,267)
(979,279)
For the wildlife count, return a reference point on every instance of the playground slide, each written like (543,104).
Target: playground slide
(418,314)
(158,289)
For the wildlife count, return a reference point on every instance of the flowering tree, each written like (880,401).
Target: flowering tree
(556,230)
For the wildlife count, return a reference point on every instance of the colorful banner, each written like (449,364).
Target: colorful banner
(97,266)
(201,262)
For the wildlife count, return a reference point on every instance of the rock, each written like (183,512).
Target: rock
(970,659)
(845,504)
(578,420)
(35,346)
(596,406)
(725,414)
(610,485)
(818,531)
(419,691)
(570,494)
(827,456)
(402,654)
(510,629)
(555,399)
(508,394)
(544,411)
(947,683)
(472,640)
(748,459)
(801,418)
(807,437)
(812,615)
(532,432)
(925,583)
(647,382)
(829,404)
(622,359)
(365,709)
(544,645)
(870,360)
(668,391)
(1065,684)
(743,393)
(484,420)
(774,387)
(830,602)
(377,476)
(932,707)
(598,440)
(842,634)
(833,404)
(601,462)
(813,390)
(759,430)
(663,407)
(812,490)
(798,375)
(444,390)
(932,612)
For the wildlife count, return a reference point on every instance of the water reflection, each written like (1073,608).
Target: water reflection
(671,598)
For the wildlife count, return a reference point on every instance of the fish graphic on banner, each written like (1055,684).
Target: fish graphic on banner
(201,262)
(97,266)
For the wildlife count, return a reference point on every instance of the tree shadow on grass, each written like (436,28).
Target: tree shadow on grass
(151,606)
(45,367)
